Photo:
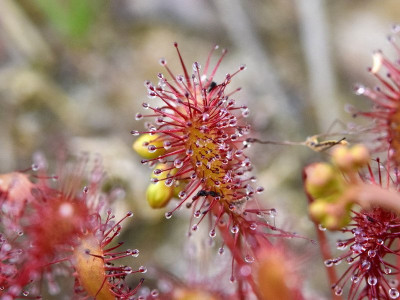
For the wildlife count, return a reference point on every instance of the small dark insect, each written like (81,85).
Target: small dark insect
(204,193)
(372,220)
(213,84)
(213,194)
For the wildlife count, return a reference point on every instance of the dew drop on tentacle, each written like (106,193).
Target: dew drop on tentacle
(134,252)
(338,290)
(355,279)
(365,265)
(387,270)
(359,89)
(157,171)
(154,293)
(235,229)
(169,182)
(152,148)
(178,163)
(249,259)
(393,293)
(350,260)
(212,233)
(372,280)
(159,121)
(196,66)
(253,226)
(328,263)
(167,145)
(150,95)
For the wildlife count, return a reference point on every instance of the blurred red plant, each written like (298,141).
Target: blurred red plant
(371,241)
(54,226)
(371,235)
(386,102)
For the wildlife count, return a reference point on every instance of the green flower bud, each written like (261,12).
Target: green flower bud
(322,180)
(330,215)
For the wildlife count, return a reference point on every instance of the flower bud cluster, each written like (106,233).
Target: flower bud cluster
(328,183)
(334,189)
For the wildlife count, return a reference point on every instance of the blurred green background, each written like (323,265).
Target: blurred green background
(72,73)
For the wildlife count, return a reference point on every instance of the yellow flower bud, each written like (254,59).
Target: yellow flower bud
(351,158)
(360,155)
(317,210)
(342,157)
(149,146)
(158,194)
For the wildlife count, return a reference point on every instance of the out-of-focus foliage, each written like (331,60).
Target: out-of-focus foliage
(72,18)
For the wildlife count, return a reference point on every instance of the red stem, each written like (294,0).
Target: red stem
(325,250)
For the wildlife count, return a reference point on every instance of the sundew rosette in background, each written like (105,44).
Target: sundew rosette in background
(52,227)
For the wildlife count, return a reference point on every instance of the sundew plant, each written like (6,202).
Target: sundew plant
(189,195)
